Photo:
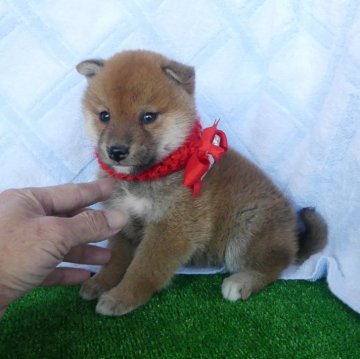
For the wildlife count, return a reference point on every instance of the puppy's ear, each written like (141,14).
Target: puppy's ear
(90,68)
(183,75)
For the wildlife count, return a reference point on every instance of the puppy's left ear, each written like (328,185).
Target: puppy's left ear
(182,74)
(90,68)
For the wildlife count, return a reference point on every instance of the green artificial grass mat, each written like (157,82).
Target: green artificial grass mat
(289,319)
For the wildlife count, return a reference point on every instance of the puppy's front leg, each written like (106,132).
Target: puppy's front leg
(111,274)
(163,250)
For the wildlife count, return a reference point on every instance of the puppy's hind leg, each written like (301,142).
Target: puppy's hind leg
(265,257)
(242,284)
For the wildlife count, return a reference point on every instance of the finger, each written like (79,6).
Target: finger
(70,197)
(87,226)
(77,211)
(87,254)
(66,276)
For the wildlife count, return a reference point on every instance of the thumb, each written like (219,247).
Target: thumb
(92,225)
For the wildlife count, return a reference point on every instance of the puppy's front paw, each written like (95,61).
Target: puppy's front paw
(91,289)
(108,305)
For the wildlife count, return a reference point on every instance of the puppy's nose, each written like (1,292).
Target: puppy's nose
(118,152)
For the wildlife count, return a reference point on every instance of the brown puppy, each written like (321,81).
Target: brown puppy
(140,108)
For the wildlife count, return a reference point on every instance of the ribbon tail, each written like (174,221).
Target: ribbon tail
(197,188)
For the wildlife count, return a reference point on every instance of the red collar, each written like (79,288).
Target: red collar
(197,154)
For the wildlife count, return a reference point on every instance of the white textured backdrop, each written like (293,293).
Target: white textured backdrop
(283,75)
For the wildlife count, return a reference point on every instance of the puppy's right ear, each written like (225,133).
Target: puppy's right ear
(90,68)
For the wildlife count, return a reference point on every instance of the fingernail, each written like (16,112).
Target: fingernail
(116,219)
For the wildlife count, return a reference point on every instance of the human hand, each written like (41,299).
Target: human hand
(41,227)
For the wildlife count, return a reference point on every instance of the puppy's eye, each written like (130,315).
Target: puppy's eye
(104,116)
(148,117)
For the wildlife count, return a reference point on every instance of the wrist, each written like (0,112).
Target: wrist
(3,304)
(2,312)
(4,300)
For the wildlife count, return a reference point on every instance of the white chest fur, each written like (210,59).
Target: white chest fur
(145,200)
(134,205)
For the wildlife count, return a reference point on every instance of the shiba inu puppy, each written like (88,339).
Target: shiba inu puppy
(140,110)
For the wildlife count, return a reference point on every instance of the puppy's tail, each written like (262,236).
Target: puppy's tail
(313,235)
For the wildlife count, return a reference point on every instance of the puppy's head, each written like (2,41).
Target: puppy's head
(139,107)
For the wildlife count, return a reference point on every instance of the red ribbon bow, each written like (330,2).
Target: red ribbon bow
(213,144)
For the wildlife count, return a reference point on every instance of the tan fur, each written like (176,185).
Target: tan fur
(240,220)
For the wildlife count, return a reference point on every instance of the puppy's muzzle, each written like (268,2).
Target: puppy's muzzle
(118,153)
